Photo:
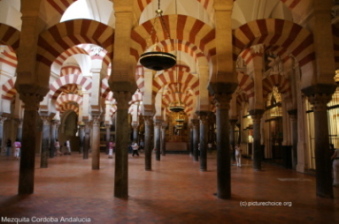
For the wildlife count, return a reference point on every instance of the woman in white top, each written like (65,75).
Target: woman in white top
(335,158)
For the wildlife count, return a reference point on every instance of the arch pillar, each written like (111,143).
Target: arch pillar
(257,152)
(29,133)
(319,96)
(203,117)
(222,93)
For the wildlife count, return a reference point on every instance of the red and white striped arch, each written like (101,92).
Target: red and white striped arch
(185,96)
(246,84)
(183,28)
(8,89)
(63,36)
(65,99)
(8,57)
(282,83)
(69,79)
(241,97)
(70,69)
(68,106)
(60,6)
(68,53)
(9,36)
(290,37)
(169,77)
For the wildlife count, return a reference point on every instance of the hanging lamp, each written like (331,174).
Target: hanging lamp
(158,60)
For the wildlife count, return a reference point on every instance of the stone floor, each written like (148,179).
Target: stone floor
(174,192)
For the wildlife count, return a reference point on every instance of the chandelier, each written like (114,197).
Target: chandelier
(158,60)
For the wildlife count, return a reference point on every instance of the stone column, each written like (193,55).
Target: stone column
(257,153)
(294,120)
(122,141)
(2,148)
(223,146)
(163,138)
(86,139)
(203,116)
(157,134)
(233,122)
(319,97)
(195,123)
(222,93)
(45,142)
(108,136)
(95,142)
(30,131)
(82,137)
(135,126)
(191,140)
(52,138)
(148,142)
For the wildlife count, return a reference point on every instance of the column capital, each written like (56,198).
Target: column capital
(31,100)
(158,122)
(195,123)
(256,114)
(164,125)
(319,89)
(148,120)
(148,110)
(134,124)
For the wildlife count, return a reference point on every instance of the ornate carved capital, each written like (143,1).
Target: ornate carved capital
(31,101)
(148,120)
(319,95)
(222,101)
(203,116)
(96,120)
(256,115)
(319,101)
(195,123)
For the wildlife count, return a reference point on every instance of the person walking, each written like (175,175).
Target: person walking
(335,165)
(17,145)
(135,149)
(110,149)
(238,155)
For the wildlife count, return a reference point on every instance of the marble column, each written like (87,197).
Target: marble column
(30,131)
(319,97)
(108,136)
(233,122)
(45,142)
(163,138)
(203,117)
(2,148)
(223,145)
(122,141)
(95,142)
(294,121)
(257,152)
(135,126)
(157,133)
(52,130)
(195,125)
(86,140)
(191,140)
(148,142)
(82,137)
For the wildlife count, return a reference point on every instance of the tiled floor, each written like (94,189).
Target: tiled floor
(174,192)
